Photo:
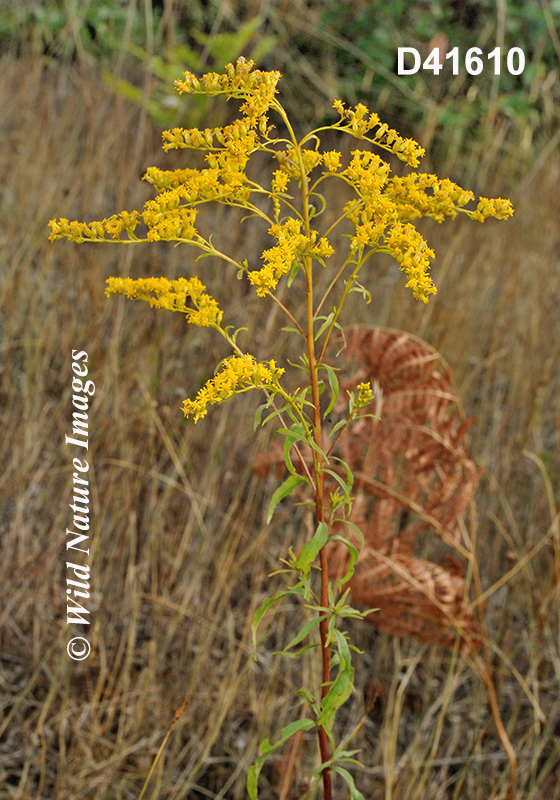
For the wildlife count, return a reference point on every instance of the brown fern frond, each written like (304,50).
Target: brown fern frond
(414,597)
(412,475)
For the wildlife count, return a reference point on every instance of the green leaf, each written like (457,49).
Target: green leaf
(349,474)
(123,88)
(292,330)
(354,793)
(333,383)
(353,557)
(346,755)
(236,334)
(258,415)
(204,255)
(264,46)
(357,287)
(342,686)
(339,480)
(181,53)
(275,414)
(325,325)
(304,362)
(289,485)
(252,781)
(342,423)
(311,550)
(289,730)
(321,200)
(266,749)
(293,272)
(301,437)
(298,589)
(226,47)
(288,442)
(343,647)
(297,653)
(307,628)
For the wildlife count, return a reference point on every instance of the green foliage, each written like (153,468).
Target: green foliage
(365,42)
(56,28)
(285,490)
(266,749)
(164,106)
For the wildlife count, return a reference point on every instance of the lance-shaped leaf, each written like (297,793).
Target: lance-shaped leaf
(270,601)
(305,631)
(354,793)
(342,686)
(266,749)
(310,551)
(283,491)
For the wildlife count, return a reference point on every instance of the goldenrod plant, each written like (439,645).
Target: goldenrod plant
(381,213)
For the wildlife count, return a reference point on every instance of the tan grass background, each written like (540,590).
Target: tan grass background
(180,549)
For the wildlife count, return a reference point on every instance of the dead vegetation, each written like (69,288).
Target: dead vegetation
(413,476)
(181,552)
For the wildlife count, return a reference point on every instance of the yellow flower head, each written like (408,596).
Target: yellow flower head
(172,295)
(240,80)
(365,395)
(278,260)
(280,181)
(497,208)
(357,122)
(331,160)
(238,374)
(322,249)
(412,253)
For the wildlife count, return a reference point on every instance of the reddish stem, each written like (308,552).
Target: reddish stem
(319,517)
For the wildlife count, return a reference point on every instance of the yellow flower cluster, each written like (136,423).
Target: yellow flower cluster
(356,122)
(289,162)
(164,216)
(279,259)
(365,395)
(367,173)
(238,374)
(95,231)
(241,80)
(203,185)
(227,162)
(232,136)
(229,148)
(384,206)
(171,295)
(167,219)
(331,160)
(168,216)
(380,213)
(371,222)
(412,201)
(412,253)
(280,181)
(323,249)
(292,243)
(496,207)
